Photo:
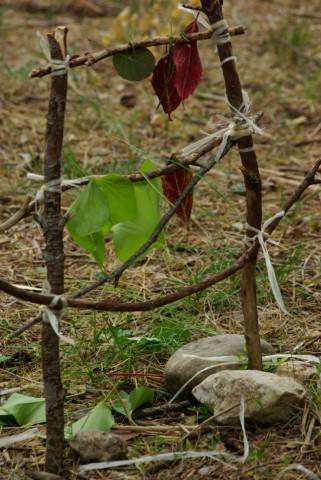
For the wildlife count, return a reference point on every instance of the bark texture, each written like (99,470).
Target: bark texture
(252,179)
(52,224)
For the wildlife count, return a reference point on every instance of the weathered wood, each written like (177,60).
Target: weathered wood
(52,224)
(253,184)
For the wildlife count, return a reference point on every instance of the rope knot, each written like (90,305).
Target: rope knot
(53,312)
(57,67)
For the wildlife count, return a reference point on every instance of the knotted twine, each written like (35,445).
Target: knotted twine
(220,29)
(58,67)
(241,126)
(52,315)
(53,186)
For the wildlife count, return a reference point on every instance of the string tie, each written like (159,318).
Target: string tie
(242,125)
(57,67)
(263,237)
(221,32)
(53,186)
(52,315)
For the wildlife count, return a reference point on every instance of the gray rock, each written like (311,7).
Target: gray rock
(98,446)
(301,371)
(195,356)
(269,398)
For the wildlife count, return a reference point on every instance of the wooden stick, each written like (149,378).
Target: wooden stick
(177,164)
(19,215)
(90,59)
(54,257)
(253,184)
(174,164)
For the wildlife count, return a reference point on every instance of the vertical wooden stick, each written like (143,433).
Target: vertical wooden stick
(213,9)
(52,224)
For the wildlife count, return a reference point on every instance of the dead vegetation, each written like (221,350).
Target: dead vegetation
(281,71)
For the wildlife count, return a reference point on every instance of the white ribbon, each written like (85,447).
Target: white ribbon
(58,67)
(51,186)
(261,236)
(221,32)
(241,126)
(197,14)
(220,28)
(53,317)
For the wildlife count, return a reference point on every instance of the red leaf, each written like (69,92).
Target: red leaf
(163,84)
(188,66)
(173,185)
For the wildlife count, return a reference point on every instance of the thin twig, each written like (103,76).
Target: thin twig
(90,59)
(200,427)
(160,410)
(19,215)
(175,164)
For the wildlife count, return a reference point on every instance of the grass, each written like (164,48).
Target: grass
(101,137)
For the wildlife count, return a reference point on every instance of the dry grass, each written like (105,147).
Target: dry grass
(279,61)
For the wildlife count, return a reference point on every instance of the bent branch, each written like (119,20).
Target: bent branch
(114,305)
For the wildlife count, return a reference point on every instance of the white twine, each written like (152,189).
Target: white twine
(221,32)
(262,238)
(241,126)
(233,58)
(198,15)
(299,468)
(220,28)
(246,150)
(58,67)
(51,186)
(51,315)
(171,456)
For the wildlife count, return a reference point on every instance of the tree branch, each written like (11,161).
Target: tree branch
(90,59)
(52,225)
(175,164)
(253,185)
(114,305)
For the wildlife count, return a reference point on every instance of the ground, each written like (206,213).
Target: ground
(279,63)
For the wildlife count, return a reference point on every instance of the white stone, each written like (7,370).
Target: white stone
(197,355)
(269,398)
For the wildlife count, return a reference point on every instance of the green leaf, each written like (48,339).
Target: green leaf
(135,65)
(103,202)
(24,410)
(112,203)
(140,396)
(129,403)
(120,198)
(99,418)
(130,236)
(89,213)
